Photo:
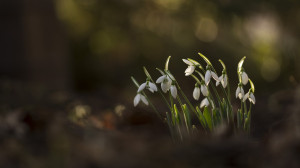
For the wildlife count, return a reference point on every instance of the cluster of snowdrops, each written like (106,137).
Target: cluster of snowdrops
(215,108)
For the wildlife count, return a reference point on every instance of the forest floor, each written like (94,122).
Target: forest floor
(40,127)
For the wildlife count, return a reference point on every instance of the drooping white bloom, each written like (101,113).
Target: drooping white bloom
(244,78)
(148,85)
(223,80)
(138,98)
(191,67)
(250,96)
(165,82)
(208,75)
(173,91)
(239,93)
(204,90)
(204,103)
(196,93)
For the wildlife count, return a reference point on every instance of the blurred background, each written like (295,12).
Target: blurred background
(65,70)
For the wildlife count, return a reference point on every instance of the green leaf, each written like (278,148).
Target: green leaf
(197,80)
(171,127)
(216,116)
(205,59)
(176,114)
(201,117)
(135,82)
(239,118)
(161,71)
(170,75)
(240,65)
(208,118)
(195,62)
(186,116)
(223,65)
(147,73)
(252,85)
(199,73)
(167,63)
(248,121)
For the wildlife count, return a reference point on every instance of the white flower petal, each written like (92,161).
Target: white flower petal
(204,90)
(137,99)
(241,94)
(246,96)
(207,77)
(237,91)
(189,70)
(151,90)
(252,98)
(161,79)
(152,86)
(204,102)
(196,93)
(142,87)
(214,75)
(144,100)
(165,86)
(245,78)
(174,91)
(220,80)
(187,62)
(224,81)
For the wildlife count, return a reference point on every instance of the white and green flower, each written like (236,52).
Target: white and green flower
(138,98)
(244,77)
(204,103)
(250,96)
(173,90)
(208,75)
(147,85)
(196,92)
(191,67)
(165,82)
(239,93)
(204,90)
(223,79)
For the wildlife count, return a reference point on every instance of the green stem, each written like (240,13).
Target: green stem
(152,106)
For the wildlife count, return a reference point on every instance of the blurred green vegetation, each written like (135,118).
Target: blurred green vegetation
(111,40)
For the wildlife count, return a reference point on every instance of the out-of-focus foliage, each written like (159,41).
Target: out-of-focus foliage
(110,38)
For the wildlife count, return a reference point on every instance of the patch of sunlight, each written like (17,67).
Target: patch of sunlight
(77,20)
(262,28)
(207,30)
(270,69)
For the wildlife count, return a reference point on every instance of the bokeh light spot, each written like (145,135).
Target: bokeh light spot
(207,30)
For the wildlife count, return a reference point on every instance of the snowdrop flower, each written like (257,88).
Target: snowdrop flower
(204,103)
(209,74)
(204,90)
(173,91)
(138,98)
(196,92)
(239,92)
(244,77)
(249,96)
(223,80)
(165,82)
(191,67)
(148,85)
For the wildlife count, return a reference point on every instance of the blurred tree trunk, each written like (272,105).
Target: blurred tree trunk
(37,46)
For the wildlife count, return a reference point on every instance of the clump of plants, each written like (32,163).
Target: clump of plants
(214,107)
